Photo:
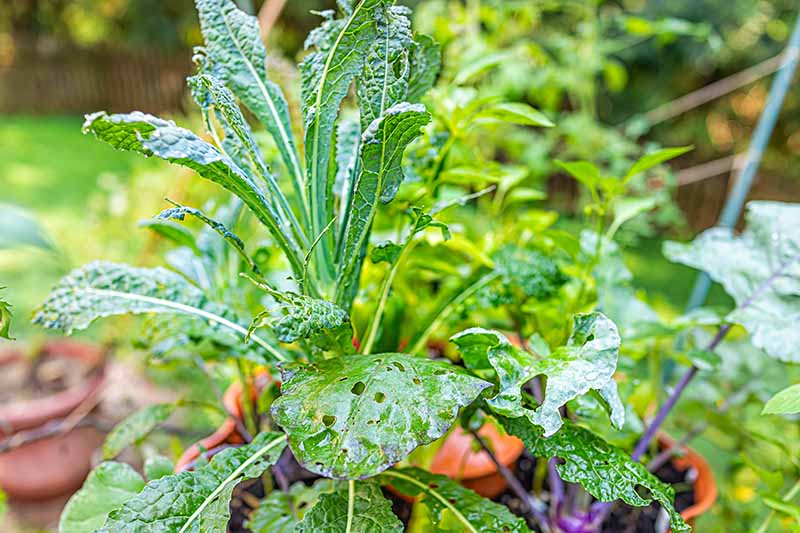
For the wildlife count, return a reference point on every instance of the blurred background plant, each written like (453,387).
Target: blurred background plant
(608,74)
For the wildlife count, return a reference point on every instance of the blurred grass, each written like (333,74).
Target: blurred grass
(89,198)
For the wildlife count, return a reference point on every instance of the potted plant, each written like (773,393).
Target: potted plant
(351,408)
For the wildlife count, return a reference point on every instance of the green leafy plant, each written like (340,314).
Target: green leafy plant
(540,318)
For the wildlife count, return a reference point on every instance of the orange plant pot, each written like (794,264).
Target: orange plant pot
(227,432)
(705,486)
(57,465)
(458,459)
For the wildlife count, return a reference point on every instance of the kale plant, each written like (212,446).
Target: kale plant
(541,312)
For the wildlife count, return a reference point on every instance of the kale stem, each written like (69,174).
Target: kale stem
(534,505)
(786,498)
(240,427)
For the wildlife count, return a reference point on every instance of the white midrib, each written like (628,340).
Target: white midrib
(188,309)
(318,102)
(461,518)
(233,476)
(272,109)
(351,505)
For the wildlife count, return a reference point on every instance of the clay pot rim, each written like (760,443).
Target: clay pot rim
(226,433)
(26,414)
(704,487)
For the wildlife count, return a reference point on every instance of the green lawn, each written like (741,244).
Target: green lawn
(86,195)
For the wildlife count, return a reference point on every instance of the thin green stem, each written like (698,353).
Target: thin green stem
(372,332)
(787,498)
(351,504)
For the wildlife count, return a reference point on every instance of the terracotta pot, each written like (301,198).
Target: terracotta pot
(705,486)
(227,432)
(458,459)
(57,465)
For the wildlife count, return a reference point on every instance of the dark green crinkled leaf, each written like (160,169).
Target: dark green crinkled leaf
(108,487)
(326,326)
(238,57)
(385,251)
(136,427)
(196,501)
(605,471)
(454,507)
(340,49)
(523,274)
(354,416)
(371,511)
(384,80)
(382,147)
(274,514)
(101,289)
(150,135)
(760,268)
(587,362)
(179,212)
(425,63)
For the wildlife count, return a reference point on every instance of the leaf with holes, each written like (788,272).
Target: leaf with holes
(196,501)
(355,507)
(354,416)
(759,269)
(453,507)
(605,471)
(587,362)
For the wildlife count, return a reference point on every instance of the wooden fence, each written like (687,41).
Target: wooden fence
(68,80)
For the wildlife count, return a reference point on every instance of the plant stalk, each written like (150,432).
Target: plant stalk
(535,506)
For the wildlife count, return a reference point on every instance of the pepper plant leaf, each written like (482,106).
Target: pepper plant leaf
(453,507)
(102,289)
(355,507)
(354,416)
(340,49)
(196,500)
(238,57)
(381,173)
(587,362)
(785,402)
(136,427)
(150,135)
(605,471)
(759,269)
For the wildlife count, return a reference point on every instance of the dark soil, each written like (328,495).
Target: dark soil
(623,519)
